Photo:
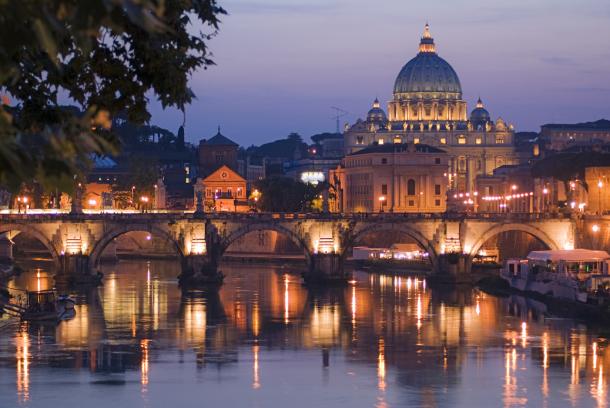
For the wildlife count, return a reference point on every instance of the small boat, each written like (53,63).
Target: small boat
(46,306)
(575,275)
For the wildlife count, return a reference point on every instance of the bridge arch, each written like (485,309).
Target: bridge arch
(35,233)
(500,228)
(408,230)
(109,236)
(248,228)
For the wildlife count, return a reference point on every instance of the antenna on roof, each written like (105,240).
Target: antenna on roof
(339,113)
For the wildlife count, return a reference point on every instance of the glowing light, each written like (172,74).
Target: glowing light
(92,202)
(595,228)
(523,334)
(198,246)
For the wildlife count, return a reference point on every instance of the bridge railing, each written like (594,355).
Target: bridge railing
(264,216)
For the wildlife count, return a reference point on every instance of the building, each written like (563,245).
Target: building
(508,189)
(397,177)
(598,180)
(223,190)
(216,151)
(427,107)
(561,136)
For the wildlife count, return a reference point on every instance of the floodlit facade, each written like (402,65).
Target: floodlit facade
(428,108)
(391,177)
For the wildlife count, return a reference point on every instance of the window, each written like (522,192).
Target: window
(499,139)
(411,203)
(461,140)
(384,189)
(187,180)
(437,203)
(443,140)
(416,140)
(208,192)
(479,165)
(437,189)
(359,140)
(384,161)
(220,158)
(437,160)
(380,141)
(397,140)
(411,187)
(478,140)
(229,192)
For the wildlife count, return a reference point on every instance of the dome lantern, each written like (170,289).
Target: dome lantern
(427,42)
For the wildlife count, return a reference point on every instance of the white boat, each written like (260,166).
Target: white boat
(579,275)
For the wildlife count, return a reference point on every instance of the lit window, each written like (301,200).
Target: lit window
(416,140)
(478,140)
(187,180)
(380,141)
(397,140)
(461,140)
(187,170)
(499,139)
(443,140)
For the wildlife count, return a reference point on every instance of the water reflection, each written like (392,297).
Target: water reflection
(384,341)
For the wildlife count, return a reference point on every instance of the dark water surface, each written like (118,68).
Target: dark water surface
(264,340)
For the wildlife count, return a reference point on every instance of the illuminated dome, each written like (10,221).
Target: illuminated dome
(376,114)
(428,73)
(479,115)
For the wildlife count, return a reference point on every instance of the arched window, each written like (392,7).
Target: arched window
(411,187)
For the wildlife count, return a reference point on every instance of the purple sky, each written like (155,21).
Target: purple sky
(281,64)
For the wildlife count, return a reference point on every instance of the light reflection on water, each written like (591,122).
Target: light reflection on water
(265,340)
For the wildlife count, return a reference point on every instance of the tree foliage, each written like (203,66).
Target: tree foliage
(104,56)
(284,194)
(569,166)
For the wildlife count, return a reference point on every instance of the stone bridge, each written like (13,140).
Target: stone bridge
(76,242)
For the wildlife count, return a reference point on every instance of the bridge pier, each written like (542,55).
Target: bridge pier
(6,249)
(75,269)
(326,269)
(199,271)
(452,268)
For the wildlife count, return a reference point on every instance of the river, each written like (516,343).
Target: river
(264,340)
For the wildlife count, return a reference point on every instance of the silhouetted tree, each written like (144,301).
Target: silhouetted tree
(284,194)
(105,57)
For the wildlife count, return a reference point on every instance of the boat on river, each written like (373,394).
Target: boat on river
(577,275)
(39,306)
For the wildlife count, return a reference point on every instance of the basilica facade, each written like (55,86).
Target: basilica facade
(427,108)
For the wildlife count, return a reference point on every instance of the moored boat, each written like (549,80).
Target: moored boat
(576,275)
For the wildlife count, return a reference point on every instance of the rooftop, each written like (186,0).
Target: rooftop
(398,148)
(602,124)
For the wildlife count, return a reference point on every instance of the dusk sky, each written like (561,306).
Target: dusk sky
(282,64)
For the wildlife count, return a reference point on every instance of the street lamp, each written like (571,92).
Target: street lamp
(381,203)
(144,200)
